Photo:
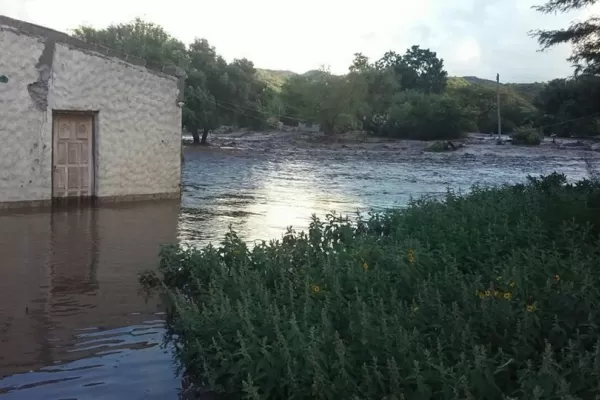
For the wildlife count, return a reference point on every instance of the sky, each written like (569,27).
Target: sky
(474,37)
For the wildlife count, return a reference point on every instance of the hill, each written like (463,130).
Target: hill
(478,81)
(528,91)
(274,78)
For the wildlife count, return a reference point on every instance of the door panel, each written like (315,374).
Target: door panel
(72,170)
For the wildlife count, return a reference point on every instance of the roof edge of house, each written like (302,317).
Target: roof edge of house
(61,37)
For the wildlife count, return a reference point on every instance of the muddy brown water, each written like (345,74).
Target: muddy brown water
(72,324)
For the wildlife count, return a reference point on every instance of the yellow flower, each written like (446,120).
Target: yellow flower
(512,284)
(497,293)
(365,266)
(531,307)
(488,293)
(411,256)
(507,296)
(479,294)
(316,289)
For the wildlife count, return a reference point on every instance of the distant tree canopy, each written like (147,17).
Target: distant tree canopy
(570,107)
(216,92)
(405,95)
(138,38)
(363,98)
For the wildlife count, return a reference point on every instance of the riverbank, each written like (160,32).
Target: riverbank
(373,309)
(361,141)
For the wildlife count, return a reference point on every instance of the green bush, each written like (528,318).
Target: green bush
(493,295)
(527,136)
(415,115)
(340,124)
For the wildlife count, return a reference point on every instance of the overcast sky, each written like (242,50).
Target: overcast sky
(474,37)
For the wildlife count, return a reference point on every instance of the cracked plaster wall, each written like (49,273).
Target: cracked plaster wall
(138,134)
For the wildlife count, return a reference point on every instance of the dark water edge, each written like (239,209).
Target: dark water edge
(72,324)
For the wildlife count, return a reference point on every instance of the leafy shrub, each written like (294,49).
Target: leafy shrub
(341,123)
(482,98)
(526,136)
(415,115)
(493,295)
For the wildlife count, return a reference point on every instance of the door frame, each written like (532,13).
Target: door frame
(92,184)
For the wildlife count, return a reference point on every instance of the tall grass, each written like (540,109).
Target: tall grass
(493,295)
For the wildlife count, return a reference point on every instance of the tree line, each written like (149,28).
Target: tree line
(216,93)
(407,95)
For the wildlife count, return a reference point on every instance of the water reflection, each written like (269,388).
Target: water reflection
(69,290)
(259,195)
(289,195)
(259,198)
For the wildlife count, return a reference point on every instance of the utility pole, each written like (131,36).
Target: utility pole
(498,106)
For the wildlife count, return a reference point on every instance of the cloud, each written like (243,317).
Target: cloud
(475,37)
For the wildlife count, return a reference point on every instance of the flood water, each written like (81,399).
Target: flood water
(72,324)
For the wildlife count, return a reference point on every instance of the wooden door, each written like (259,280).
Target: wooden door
(72,155)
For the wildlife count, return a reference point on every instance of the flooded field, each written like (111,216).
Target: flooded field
(72,324)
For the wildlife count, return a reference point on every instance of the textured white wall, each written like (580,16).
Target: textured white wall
(25,133)
(138,138)
(138,132)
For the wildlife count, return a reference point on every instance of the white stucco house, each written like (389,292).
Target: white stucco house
(81,120)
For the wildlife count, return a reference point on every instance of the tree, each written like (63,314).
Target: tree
(247,94)
(335,102)
(215,92)
(422,70)
(380,80)
(360,63)
(417,115)
(418,69)
(200,109)
(583,36)
(206,85)
(570,106)
(482,99)
(138,38)
(340,102)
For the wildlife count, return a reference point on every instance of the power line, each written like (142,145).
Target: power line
(258,111)
(221,102)
(570,120)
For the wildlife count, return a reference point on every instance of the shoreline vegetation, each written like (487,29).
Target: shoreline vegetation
(490,295)
(235,139)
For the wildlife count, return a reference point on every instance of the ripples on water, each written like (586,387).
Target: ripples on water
(72,324)
(261,194)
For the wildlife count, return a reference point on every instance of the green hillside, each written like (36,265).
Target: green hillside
(274,78)
(528,91)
